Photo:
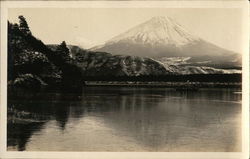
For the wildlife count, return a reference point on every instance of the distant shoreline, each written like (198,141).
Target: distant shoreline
(164,84)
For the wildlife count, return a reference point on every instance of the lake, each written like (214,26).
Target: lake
(125,119)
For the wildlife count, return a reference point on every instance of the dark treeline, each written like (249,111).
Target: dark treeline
(223,78)
(32,64)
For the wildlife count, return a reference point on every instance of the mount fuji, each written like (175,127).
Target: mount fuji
(163,38)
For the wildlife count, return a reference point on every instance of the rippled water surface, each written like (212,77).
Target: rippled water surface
(125,119)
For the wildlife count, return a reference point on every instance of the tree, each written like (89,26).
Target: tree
(23,25)
(63,51)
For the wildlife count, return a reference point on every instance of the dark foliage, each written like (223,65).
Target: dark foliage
(63,52)
(23,25)
(27,54)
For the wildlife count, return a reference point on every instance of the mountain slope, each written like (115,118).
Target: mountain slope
(106,64)
(163,37)
(181,65)
(158,30)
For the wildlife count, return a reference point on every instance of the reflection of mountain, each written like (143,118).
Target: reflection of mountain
(163,37)
(29,111)
(135,119)
(166,124)
(19,133)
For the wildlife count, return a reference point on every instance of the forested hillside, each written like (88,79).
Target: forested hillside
(32,64)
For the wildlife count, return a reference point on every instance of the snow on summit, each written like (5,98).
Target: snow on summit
(157,30)
(162,37)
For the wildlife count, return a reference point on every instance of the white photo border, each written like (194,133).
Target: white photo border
(5,5)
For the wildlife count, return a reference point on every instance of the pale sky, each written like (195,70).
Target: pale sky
(91,26)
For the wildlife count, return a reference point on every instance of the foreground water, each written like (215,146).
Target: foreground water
(126,119)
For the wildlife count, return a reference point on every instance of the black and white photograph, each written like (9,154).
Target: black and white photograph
(124,79)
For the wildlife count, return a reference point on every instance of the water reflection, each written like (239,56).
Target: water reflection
(28,111)
(128,119)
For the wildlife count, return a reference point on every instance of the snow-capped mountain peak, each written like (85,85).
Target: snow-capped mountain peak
(162,37)
(158,30)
